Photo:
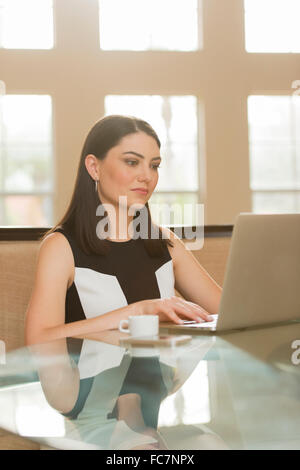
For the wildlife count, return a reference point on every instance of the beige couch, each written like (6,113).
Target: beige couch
(17,268)
(17,272)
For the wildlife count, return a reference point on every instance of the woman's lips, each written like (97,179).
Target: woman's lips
(140,191)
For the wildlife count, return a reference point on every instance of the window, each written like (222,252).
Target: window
(26,160)
(274,138)
(26,24)
(140,25)
(174,118)
(272,25)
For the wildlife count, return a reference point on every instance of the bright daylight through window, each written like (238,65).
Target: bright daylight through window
(272,25)
(26,160)
(274,138)
(26,24)
(140,25)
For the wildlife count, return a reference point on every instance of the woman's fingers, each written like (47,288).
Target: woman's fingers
(171,315)
(171,308)
(202,312)
(190,309)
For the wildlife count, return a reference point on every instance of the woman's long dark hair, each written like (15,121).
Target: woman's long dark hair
(80,219)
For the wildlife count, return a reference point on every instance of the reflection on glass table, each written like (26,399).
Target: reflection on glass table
(235,391)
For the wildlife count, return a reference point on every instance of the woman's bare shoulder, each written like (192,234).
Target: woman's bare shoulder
(55,250)
(55,241)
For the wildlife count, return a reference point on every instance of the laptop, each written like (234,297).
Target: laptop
(262,277)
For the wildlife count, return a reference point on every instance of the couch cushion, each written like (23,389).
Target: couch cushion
(17,272)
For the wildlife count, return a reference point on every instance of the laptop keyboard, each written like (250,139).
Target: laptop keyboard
(194,324)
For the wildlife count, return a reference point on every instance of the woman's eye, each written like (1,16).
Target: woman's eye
(135,162)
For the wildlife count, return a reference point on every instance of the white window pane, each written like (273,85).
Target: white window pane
(273,166)
(25,210)
(28,168)
(274,151)
(296,111)
(175,121)
(272,25)
(179,167)
(26,24)
(26,159)
(274,143)
(275,202)
(26,118)
(181,129)
(148,24)
(270,118)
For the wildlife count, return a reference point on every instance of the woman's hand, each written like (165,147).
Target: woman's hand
(173,308)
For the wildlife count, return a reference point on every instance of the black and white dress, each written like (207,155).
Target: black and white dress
(124,276)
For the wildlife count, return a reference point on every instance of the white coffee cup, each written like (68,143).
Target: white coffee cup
(141,325)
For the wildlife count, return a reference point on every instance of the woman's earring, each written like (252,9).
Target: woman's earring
(96,186)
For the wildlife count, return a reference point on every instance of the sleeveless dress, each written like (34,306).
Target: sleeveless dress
(126,275)
(102,284)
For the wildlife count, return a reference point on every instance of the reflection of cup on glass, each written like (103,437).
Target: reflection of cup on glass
(139,326)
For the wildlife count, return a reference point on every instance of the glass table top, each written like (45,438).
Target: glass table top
(239,390)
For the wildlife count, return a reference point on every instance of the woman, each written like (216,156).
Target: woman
(87,283)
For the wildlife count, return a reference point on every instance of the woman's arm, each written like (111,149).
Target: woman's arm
(192,281)
(58,373)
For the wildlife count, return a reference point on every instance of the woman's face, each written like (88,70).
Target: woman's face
(130,165)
